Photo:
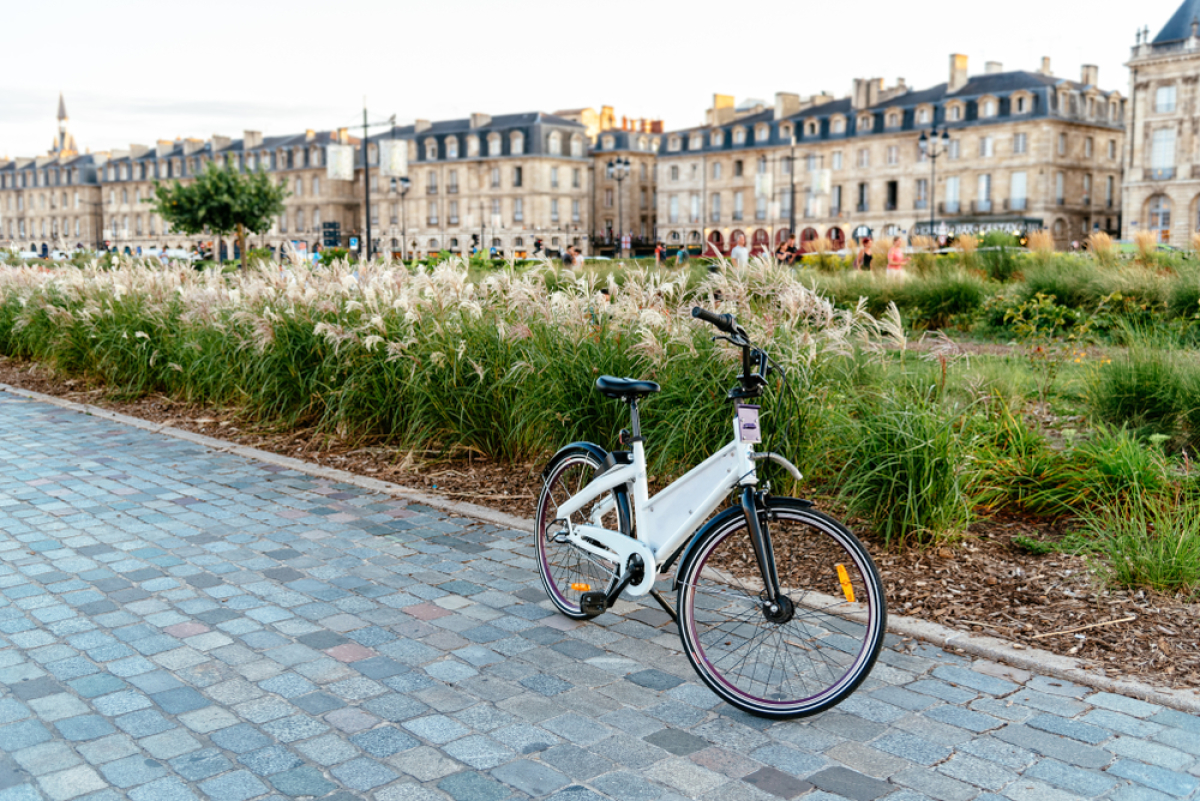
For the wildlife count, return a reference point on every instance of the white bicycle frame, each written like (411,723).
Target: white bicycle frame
(672,516)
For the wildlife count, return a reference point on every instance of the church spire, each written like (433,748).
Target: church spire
(62,108)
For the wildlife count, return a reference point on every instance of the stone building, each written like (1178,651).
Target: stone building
(1025,150)
(1161,190)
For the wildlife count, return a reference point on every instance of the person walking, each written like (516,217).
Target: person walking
(740,253)
(787,251)
(863,260)
(896,259)
(659,252)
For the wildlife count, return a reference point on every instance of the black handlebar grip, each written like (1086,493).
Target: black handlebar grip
(723,322)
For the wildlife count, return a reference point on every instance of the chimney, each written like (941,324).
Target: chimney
(220,142)
(1091,75)
(478,120)
(425,125)
(190,146)
(343,136)
(992,68)
(137,151)
(164,147)
(251,139)
(310,135)
(1045,70)
(722,110)
(958,72)
(786,104)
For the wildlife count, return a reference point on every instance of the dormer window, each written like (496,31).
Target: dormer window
(696,141)
(954,113)
(452,147)
(923,116)
(893,120)
(607,143)
(812,128)
(1020,104)
(785,131)
(674,144)
(987,108)
(516,143)
(866,123)
(739,136)
(837,125)
(472,147)
(762,133)
(431,150)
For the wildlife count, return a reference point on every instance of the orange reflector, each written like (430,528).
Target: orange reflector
(847,587)
(579,586)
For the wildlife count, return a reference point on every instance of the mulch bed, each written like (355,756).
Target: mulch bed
(985,584)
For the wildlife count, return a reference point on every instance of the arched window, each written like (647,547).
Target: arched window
(472,147)
(577,146)
(739,135)
(717,138)
(866,123)
(643,144)
(762,133)
(785,131)
(837,125)
(493,144)
(893,120)
(451,147)
(954,113)
(607,143)
(695,141)
(554,143)
(516,143)
(431,149)
(812,128)
(1160,217)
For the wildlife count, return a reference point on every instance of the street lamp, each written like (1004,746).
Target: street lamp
(618,169)
(933,146)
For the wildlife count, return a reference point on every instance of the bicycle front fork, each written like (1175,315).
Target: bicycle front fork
(777,607)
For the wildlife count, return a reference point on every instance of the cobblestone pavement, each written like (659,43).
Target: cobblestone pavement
(178,623)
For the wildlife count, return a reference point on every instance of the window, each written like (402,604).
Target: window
(987,108)
(452,182)
(673,209)
(1087,148)
(716,171)
(1087,189)
(864,157)
(1162,153)
(1016,191)
(554,144)
(124,198)
(472,146)
(893,120)
(762,133)
(1062,144)
(608,198)
(694,212)
(951,201)
(317,219)
(984,193)
(453,215)
(923,115)
(431,151)
(495,207)
(921,194)
(893,154)
(1112,148)
(1164,99)
(431,182)
(864,197)
(374,183)
(837,160)
(674,143)
(516,181)
(1020,105)
(554,177)
(316,187)
(518,209)
(987,147)
(575,211)
(1160,217)
(516,143)
(553,209)
(674,173)
(739,136)
(760,207)
(715,207)
(739,205)
(432,213)
(577,176)
(737,168)
(1020,143)
(1108,191)
(762,165)
(696,141)
(299,221)
(954,150)
(1060,186)
(785,164)
(954,113)
(837,125)
(452,147)
(495,177)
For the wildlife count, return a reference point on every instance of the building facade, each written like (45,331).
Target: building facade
(1024,150)
(1162,155)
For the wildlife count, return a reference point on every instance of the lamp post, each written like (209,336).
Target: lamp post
(933,145)
(405,185)
(618,169)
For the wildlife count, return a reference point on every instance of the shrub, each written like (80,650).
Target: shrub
(1149,540)
(1101,246)
(945,293)
(968,247)
(1041,245)
(999,256)
(905,469)
(1147,247)
(924,254)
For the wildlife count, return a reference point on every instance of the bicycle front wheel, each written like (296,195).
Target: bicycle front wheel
(813,649)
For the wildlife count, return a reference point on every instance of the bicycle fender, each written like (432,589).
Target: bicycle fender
(724,515)
(566,450)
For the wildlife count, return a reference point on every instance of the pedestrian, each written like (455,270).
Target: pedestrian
(740,253)
(681,256)
(896,259)
(863,260)
(659,251)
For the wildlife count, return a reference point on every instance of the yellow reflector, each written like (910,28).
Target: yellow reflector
(579,586)
(847,587)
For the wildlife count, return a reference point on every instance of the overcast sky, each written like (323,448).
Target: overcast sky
(139,71)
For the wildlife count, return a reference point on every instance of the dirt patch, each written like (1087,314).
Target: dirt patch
(985,585)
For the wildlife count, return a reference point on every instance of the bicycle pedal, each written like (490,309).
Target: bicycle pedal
(593,603)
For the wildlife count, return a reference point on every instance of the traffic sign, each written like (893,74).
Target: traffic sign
(354,243)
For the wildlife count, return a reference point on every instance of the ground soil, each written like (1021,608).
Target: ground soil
(984,584)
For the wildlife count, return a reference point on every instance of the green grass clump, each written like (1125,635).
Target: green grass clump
(906,469)
(1149,540)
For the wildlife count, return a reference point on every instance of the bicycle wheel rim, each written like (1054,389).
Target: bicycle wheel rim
(791,669)
(567,571)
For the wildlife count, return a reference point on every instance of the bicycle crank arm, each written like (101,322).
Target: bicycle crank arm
(615,547)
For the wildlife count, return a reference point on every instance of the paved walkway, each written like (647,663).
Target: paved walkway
(177,623)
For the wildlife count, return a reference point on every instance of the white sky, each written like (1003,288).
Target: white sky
(138,71)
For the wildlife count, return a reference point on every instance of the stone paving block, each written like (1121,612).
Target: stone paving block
(976,771)
(237,786)
(935,785)
(168,789)
(868,760)
(71,783)
(1052,745)
(849,784)
(1074,729)
(1156,778)
(132,771)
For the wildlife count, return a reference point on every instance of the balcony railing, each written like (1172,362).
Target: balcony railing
(1160,173)
(889,205)
(431,190)
(1016,203)
(981,206)
(453,220)
(432,221)
(452,189)
(920,204)
(949,207)
(863,207)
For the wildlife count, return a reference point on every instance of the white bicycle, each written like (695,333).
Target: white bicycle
(780,608)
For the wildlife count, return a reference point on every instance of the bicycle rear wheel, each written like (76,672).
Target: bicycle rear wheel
(802,659)
(567,570)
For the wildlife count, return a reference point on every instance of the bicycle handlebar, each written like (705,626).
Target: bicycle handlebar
(723,322)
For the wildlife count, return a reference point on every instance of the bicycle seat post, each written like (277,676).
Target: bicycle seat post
(635,420)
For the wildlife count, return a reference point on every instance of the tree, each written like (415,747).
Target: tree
(222,201)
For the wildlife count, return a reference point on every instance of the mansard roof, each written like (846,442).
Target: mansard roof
(1179,26)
